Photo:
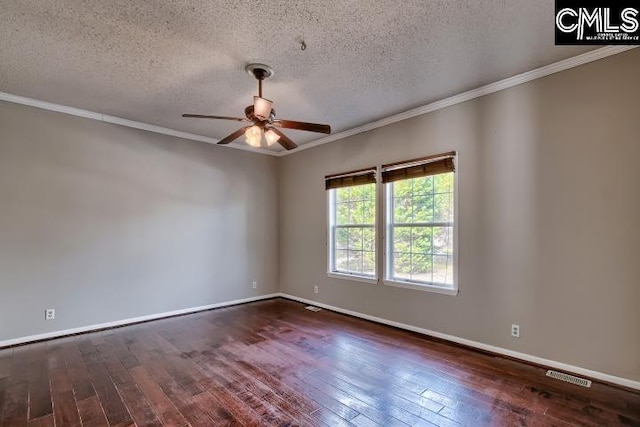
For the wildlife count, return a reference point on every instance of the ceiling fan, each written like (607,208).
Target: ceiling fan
(262,117)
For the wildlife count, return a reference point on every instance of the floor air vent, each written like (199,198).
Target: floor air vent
(569,378)
(312,308)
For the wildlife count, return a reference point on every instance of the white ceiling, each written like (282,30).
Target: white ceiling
(150,61)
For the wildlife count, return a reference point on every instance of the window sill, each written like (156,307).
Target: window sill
(421,287)
(347,276)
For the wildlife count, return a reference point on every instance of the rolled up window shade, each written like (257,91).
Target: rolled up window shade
(418,168)
(350,179)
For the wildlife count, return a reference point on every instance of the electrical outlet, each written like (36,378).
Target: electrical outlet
(254,285)
(315,289)
(49,314)
(515,331)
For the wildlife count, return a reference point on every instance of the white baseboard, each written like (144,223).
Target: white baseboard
(90,328)
(499,350)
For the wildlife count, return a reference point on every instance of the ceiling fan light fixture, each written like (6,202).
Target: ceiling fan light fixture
(253,136)
(263,116)
(262,107)
(271,137)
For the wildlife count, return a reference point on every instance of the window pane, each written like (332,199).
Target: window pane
(342,213)
(423,252)
(402,239)
(423,186)
(368,239)
(368,212)
(355,239)
(354,245)
(421,267)
(441,267)
(369,192)
(443,208)
(402,265)
(355,213)
(443,240)
(342,195)
(355,261)
(443,183)
(402,209)
(341,260)
(369,263)
(423,209)
(421,239)
(342,238)
(402,187)
(356,193)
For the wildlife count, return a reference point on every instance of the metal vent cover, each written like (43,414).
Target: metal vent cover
(569,378)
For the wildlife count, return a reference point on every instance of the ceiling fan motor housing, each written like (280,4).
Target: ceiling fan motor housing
(251,116)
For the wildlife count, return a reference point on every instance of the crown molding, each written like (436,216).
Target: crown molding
(509,82)
(16,99)
(519,79)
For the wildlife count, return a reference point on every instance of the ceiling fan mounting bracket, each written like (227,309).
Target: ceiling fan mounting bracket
(259,71)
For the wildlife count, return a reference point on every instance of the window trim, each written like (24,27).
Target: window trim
(387,236)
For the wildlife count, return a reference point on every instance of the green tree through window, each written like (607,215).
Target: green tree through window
(353,231)
(420,227)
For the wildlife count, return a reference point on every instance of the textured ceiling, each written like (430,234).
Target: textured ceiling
(151,61)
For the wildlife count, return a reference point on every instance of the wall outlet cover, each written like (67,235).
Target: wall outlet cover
(515,331)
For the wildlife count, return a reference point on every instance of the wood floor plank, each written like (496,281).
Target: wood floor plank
(114,407)
(275,363)
(77,371)
(40,404)
(46,421)
(91,412)
(238,408)
(6,356)
(20,365)
(182,399)
(325,417)
(219,414)
(65,409)
(158,400)
(138,407)
(16,407)
(4,383)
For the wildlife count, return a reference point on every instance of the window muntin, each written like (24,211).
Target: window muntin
(353,230)
(420,230)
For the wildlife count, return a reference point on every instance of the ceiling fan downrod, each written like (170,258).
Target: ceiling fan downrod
(260,72)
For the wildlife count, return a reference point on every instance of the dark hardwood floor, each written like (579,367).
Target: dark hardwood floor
(273,363)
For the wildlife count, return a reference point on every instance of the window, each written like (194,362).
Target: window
(352,224)
(419,230)
(420,223)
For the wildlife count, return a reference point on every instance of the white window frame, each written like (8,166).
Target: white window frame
(388,241)
(331,215)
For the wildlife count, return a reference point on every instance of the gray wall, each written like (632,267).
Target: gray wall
(549,204)
(103,222)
